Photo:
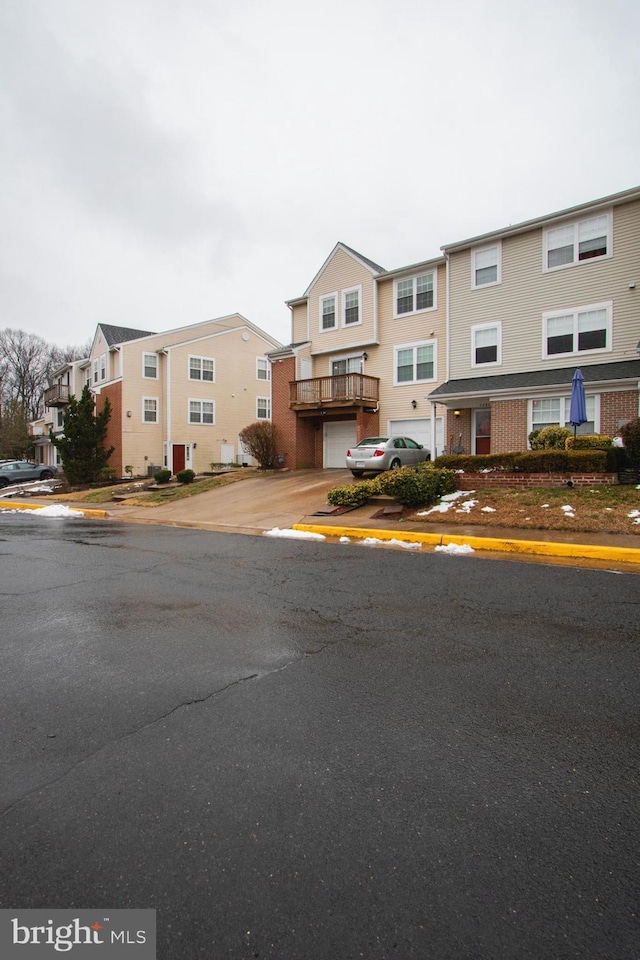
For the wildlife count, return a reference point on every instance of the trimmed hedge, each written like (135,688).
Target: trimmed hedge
(594,460)
(588,441)
(162,476)
(416,486)
(409,486)
(355,495)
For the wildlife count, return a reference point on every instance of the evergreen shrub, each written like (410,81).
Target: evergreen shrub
(630,434)
(588,441)
(354,495)
(162,476)
(416,486)
(185,476)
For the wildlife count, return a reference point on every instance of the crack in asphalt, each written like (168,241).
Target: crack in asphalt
(151,723)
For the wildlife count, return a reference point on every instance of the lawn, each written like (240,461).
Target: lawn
(589,510)
(143,496)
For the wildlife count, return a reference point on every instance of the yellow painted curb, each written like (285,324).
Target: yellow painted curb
(92,514)
(497,544)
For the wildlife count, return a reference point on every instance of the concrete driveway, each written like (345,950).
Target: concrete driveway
(253,505)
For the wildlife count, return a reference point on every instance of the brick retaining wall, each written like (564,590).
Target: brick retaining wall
(505,480)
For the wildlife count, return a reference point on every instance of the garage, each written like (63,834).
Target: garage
(419,429)
(338,437)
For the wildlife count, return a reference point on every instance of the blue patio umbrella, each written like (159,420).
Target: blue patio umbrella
(578,410)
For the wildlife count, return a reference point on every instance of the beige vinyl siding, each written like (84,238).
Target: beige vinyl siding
(395,401)
(299,325)
(233,392)
(526,292)
(343,272)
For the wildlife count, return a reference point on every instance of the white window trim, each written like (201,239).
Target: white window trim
(497,325)
(95,370)
(337,358)
(415,278)
(409,346)
(200,400)
(157,419)
(336,301)
(267,368)
(474,251)
(195,356)
(267,401)
(103,366)
(550,314)
(343,302)
(575,224)
(566,397)
(145,376)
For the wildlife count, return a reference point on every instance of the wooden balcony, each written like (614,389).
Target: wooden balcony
(347,390)
(56,396)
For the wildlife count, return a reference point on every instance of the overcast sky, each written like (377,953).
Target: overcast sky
(168,161)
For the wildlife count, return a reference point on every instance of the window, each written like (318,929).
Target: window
(415,294)
(486,344)
(263,408)
(415,363)
(346,365)
(328,312)
(351,306)
(150,366)
(95,371)
(486,266)
(60,419)
(574,242)
(103,367)
(201,411)
(583,330)
(149,409)
(202,368)
(263,369)
(555,411)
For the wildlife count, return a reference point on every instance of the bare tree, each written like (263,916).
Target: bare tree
(27,363)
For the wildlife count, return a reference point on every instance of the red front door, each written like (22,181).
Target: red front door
(482,420)
(178,457)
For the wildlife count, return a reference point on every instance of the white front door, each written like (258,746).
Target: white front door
(227,453)
(338,437)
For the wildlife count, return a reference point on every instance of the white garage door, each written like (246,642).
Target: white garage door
(420,431)
(338,437)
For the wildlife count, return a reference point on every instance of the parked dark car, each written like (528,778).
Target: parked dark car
(19,471)
(385,453)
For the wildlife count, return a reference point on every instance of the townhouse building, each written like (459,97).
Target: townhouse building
(528,305)
(365,350)
(178,399)
(67,381)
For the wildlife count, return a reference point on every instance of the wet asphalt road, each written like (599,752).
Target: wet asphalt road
(318,751)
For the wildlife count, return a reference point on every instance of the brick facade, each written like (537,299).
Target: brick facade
(509,426)
(481,481)
(614,407)
(114,427)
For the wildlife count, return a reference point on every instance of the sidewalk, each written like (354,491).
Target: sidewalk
(291,501)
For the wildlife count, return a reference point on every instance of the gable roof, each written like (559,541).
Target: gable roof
(115,335)
(374,268)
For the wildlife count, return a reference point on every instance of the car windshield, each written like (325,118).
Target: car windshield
(372,442)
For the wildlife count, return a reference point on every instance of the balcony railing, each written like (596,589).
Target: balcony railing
(343,390)
(57,396)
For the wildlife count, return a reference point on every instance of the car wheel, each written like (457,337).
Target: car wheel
(395,464)
(357,473)
(46,475)
(3,483)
